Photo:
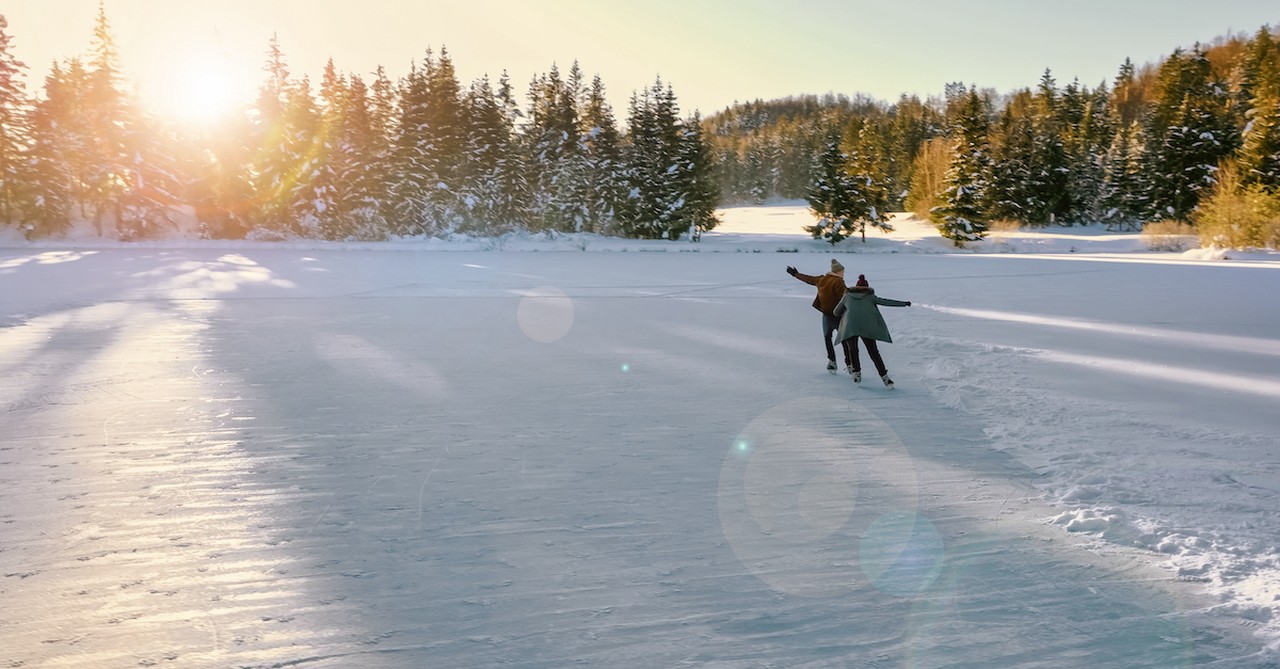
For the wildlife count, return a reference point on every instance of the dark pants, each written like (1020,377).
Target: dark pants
(872,350)
(830,324)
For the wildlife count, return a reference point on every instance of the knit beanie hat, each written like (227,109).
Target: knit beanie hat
(836,266)
(862,282)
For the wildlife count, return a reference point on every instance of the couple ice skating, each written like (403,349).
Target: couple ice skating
(852,313)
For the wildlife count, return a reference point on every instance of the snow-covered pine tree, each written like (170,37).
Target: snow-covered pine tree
(1046,188)
(962,218)
(512,176)
(105,112)
(330,206)
(869,181)
(383,116)
(555,160)
(1189,132)
(274,161)
(1121,200)
(832,197)
(602,150)
(1126,96)
(15,125)
(444,132)
(1013,152)
(302,203)
(357,166)
(50,186)
(760,180)
(488,145)
(652,208)
(1260,151)
(1085,129)
(152,181)
(1089,141)
(1255,66)
(408,180)
(695,181)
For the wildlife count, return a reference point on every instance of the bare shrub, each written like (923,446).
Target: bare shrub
(928,177)
(1236,216)
(1175,236)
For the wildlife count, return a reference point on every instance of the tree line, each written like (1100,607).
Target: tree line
(352,158)
(1194,138)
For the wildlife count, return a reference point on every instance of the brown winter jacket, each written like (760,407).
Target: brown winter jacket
(830,290)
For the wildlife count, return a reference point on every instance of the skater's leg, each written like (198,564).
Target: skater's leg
(829,326)
(851,350)
(874,352)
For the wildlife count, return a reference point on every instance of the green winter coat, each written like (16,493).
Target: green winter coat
(860,315)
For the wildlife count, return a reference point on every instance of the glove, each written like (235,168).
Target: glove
(791,270)
(908,303)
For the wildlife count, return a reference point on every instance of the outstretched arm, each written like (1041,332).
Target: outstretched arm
(811,280)
(886,302)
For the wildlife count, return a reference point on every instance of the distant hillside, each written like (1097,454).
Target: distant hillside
(1056,152)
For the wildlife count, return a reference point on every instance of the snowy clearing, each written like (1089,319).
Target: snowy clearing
(454,454)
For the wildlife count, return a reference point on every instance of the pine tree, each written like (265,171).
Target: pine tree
(654,206)
(1120,194)
(302,203)
(273,160)
(15,125)
(1260,152)
(1087,136)
(444,134)
(347,182)
(1047,196)
(409,178)
(331,205)
(1257,65)
(1126,96)
(53,163)
(831,198)
(556,164)
(962,218)
(152,182)
(1014,152)
(488,146)
(601,147)
(105,113)
(870,182)
(699,191)
(514,206)
(1189,131)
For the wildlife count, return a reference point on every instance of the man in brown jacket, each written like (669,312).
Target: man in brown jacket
(830,291)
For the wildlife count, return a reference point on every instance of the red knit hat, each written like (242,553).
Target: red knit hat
(862,282)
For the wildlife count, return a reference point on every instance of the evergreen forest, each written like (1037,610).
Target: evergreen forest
(1193,139)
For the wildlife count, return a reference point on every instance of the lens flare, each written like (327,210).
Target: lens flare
(545,314)
(802,483)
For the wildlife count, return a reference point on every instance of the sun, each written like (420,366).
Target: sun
(200,90)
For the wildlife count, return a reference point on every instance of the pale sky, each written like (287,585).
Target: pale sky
(712,52)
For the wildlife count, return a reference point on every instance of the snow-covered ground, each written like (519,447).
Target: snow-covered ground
(577,451)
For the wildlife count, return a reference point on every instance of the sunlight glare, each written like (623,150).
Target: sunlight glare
(201,90)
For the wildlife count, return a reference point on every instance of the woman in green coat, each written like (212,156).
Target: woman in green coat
(859,312)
